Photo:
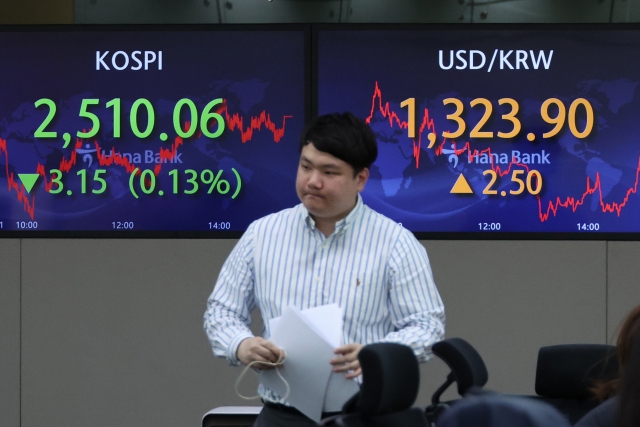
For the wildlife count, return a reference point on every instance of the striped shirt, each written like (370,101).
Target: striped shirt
(372,267)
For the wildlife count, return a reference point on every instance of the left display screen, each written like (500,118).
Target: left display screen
(149,131)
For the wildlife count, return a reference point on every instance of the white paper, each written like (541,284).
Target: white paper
(327,321)
(306,367)
(339,390)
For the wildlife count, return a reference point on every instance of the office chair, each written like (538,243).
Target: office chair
(390,383)
(467,370)
(565,373)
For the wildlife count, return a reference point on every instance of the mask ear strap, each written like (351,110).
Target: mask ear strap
(279,362)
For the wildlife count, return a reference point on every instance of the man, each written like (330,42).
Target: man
(331,248)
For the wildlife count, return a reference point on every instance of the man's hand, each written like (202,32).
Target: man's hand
(348,360)
(257,349)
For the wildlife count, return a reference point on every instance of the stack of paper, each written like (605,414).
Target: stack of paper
(309,338)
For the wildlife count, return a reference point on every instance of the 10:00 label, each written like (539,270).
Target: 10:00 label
(23,225)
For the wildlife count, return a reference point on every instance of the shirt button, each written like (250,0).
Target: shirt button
(317,279)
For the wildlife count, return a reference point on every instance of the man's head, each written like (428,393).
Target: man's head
(336,152)
(345,137)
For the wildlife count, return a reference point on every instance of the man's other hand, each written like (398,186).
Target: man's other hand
(348,360)
(257,349)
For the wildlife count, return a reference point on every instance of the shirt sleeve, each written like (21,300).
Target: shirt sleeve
(228,315)
(414,302)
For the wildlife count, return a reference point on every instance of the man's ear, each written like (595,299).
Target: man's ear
(362,178)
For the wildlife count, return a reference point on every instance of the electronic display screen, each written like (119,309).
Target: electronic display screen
(149,131)
(490,131)
(161,131)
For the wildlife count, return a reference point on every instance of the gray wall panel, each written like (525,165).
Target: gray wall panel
(280,11)
(405,11)
(509,298)
(146,12)
(9,332)
(626,11)
(543,11)
(624,283)
(112,332)
(443,11)
(118,323)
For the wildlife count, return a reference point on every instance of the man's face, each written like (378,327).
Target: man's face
(326,185)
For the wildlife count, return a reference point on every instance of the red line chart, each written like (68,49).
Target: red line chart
(234,122)
(545,209)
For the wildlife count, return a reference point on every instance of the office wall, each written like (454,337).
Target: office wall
(442,11)
(109,332)
(36,12)
(10,332)
(146,11)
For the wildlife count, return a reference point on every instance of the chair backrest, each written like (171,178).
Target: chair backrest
(390,383)
(390,379)
(465,363)
(467,370)
(568,371)
(565,373)
(494,410)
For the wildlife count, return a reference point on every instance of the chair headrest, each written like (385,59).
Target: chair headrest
(501,411)
(465,363)
(567,371)
(390,379)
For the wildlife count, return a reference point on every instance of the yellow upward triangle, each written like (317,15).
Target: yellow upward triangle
(461,186)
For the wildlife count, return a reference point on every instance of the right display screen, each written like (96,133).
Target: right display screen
(504,130)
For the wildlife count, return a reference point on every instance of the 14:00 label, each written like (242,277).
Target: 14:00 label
(219,226)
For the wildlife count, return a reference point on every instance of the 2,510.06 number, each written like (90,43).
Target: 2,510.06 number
(209,113)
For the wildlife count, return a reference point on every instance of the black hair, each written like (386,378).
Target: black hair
(345,137)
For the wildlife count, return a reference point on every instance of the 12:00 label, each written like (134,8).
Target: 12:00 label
(489,226)
(122,225)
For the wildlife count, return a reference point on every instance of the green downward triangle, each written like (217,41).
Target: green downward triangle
(28,180)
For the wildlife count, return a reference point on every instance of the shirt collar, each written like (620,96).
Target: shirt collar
(341,225)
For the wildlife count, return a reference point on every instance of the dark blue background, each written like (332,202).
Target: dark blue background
(254,70)
(599,65)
